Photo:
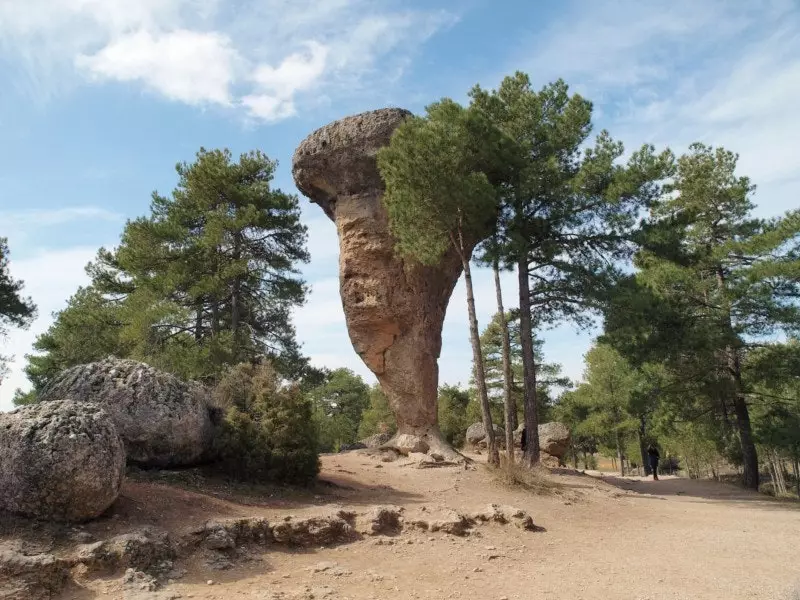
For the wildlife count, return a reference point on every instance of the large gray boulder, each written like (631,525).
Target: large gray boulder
(554,439)
(163,421)
(59,460)
(476,433)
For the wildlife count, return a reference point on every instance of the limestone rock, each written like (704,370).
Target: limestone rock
(38,577)
(145,550)
(314,531)
(554,438)
(476,433)
(162,420)
(227,534)
(454,523)
(394,308)
(385,520)
(59,461)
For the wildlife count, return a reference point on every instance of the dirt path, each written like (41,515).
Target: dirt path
(604,538)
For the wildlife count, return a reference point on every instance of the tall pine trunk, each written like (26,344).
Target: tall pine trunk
(477,357)
(619,455)
(743,426)
(642,449)
(528,364)
(508,400)
(236,309)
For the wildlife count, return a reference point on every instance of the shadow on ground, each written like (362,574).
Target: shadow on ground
(694,489)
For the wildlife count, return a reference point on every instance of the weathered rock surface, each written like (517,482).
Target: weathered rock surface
(59,461)
(384,520)
(314,531)
(162,420)
(476,433)
(394,308)
(147,550)
(554,439)
(37,577)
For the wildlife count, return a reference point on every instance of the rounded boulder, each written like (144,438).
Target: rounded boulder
(476,433)
(554,438)
(60,460)
(163,421)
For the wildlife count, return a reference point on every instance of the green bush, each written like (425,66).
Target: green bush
(267,431)
(378,417)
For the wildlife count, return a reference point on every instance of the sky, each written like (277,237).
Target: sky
(101,98)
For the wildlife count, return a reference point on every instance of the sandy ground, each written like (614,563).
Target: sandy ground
(604,538)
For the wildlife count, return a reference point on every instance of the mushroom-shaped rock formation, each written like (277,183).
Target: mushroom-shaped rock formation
(394,307)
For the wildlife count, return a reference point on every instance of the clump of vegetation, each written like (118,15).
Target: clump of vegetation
(536,480)
(267,431)
(378,417)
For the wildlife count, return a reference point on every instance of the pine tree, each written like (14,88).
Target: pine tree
(565,212)
(15,311)
(439,199)
(734,277)
(206,281)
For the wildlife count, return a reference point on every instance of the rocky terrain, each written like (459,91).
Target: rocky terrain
(378,530)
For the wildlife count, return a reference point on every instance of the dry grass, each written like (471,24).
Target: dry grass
(537,480)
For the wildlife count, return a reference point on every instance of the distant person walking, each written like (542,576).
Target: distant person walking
(653,456)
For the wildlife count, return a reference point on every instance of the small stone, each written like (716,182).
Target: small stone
(210,582)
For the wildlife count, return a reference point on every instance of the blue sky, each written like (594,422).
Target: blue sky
(102,97)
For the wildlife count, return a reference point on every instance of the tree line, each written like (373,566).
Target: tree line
(691,289)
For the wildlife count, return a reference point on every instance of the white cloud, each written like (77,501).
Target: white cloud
(188,66)
(277,86)
(257,55)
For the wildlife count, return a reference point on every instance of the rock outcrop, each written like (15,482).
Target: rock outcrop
(163,421)
(476,434)
(30,577)
(61,461)
(394,308)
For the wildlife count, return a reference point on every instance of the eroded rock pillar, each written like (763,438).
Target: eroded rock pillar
(394,308)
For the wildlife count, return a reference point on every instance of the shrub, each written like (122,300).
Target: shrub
(378,417)
(267,431)
(536,480)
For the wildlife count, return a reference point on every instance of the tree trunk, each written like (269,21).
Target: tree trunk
(642,449)
(508,400)
(797,476)
(619,455)
(215,317)
(528,364)
(477,358)
(236,301)
(198,322)
(749,453)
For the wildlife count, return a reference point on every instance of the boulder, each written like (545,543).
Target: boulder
(554,438)
(476,433)
(163,421)
(394,307)
(59,460)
